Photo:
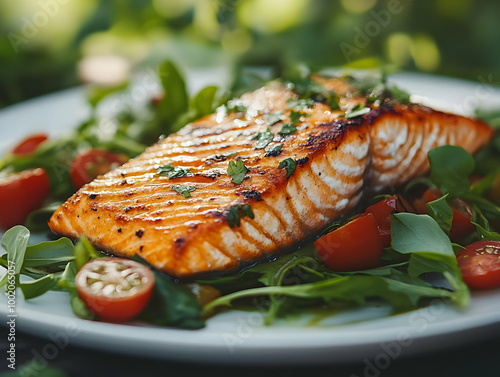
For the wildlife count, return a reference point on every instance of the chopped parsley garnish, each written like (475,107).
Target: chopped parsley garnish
(237,170)
(172,171)
(332,102)
(236,212)
(399,95)
(273,118)
(299,104)
(235,106)
(357,111)
(295,116)
(308,89)
(290,164)
(263,139)
(287,129)
(184,190)
(274,150)
(382,92)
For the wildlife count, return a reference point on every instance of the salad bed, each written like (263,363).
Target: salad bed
(292,283)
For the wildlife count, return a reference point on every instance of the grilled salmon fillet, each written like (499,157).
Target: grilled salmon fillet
(314,167)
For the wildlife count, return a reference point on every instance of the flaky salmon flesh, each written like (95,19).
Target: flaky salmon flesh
(301,164)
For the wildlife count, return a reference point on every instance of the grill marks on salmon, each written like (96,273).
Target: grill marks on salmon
(133,209)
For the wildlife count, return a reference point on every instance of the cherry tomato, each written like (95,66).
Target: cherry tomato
(20,194)
(382,212)
(354,246)
(462,214)
(30,144)
(115,289)
(92,163)
(480,264)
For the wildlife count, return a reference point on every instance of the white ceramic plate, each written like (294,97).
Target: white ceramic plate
(240,337)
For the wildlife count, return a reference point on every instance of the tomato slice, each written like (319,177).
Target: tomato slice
(354,246)
(20,194)
(462,214)
(92,163)
(115,289)
(382,212)
(480,264)
(30,144)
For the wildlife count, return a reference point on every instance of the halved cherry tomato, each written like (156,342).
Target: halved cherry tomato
(462,213)
(30,144)
(382,212)
(20,194)
(480,264)
(354,246)
(115,289)
(92,163)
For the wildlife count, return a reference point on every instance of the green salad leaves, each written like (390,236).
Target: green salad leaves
(418,267)
(53,265)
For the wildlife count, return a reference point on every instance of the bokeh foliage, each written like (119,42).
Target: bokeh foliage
(43,41)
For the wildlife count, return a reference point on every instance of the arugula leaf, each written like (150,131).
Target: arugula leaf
(421,263)
(273,118)
(430,249)
(355,289)
(287,129)
(203,103)
(185,191)
(299,104)
(490,210)
(266,272)
(485,234)
(171,304)
(175,98)
(441,212)
(357,111)
(38,287)
(290,164)
(418,233)
(95,93)
(49,253)
(84,252)
(67,281)
(172,171)
(263,139)
(451,167)
(237,211)
(237,170)
(15,242)
(37,220)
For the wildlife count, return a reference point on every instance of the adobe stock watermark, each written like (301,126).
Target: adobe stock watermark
(379,19)
(12,315)
(58,341)
(482,92)
(390,351)
(138,94)
(32,25)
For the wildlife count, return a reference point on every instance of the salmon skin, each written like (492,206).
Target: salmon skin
(301,164)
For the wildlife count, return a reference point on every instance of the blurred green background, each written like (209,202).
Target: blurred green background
(45,41)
